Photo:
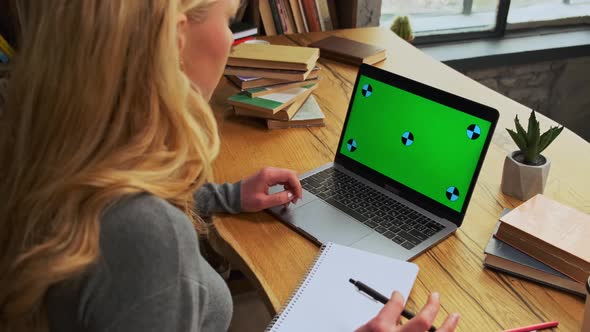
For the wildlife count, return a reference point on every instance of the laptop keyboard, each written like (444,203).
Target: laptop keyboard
(390,218)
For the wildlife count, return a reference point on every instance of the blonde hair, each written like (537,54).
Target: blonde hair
(97,108)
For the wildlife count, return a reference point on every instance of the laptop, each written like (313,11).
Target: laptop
(405,167)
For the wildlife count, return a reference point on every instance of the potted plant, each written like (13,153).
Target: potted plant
(401,26)
(526,170)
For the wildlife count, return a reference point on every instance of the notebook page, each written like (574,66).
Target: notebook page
(327,301)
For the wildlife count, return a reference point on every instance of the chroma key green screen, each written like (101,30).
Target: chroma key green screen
(426,146)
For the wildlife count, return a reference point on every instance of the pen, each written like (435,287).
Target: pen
(541,326)
(382,298)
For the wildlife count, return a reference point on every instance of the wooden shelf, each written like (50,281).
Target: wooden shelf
(345,12)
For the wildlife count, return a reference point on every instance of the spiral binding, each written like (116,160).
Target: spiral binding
(292,300)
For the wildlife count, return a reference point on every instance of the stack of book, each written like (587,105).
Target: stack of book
(242,32)
(276,83)
(543,241)
(297,16)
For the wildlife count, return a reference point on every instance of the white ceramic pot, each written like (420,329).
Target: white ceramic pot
(523,181)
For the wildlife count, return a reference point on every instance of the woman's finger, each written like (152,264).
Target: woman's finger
(423,320)
(450,324)
(273,176)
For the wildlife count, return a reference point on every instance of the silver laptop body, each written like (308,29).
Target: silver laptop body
(322,219)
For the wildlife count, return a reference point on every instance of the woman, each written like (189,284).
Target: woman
(107,143)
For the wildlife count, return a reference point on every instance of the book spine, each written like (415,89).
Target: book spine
(297,15)
(324,15)
(283,16)
(276,17)
(279,124)
(341,57)
(303,18)
(266,16)
(333,14)
(311,15)
(290,18)
(555,257)
(291,76)
(276,322)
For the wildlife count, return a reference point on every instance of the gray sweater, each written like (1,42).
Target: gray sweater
(150,275)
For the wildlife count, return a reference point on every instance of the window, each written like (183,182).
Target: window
(439,20)
(536,13)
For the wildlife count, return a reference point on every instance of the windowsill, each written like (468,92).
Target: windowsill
(514,48)
(542,15)
(427,25)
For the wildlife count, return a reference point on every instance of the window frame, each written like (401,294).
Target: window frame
(499,31)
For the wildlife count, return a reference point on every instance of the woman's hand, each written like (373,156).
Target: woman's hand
(388,318)
(254,189)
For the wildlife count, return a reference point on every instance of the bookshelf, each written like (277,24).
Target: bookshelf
(342,14)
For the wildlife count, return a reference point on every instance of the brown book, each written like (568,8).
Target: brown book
(273,57)
(245,83)
(309,115)
(551,232)
(349,51)
(286,17)
(504,258)
(311,15)
(333,14)
(281,74)
(285,114)
(266,16)
(297,16)
(302,11)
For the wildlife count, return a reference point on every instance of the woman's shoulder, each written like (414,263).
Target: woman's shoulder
(145,225)
(151,214)
(148,252)
(146,244)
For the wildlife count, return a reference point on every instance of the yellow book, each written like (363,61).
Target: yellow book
(5,47)
(273,57)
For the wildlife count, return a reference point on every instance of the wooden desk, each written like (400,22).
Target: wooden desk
(275,258)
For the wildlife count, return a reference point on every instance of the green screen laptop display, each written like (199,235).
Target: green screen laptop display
(426,146)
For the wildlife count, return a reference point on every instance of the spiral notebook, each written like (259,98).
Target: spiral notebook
(326,301)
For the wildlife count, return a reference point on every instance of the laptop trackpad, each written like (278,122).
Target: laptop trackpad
(326,223)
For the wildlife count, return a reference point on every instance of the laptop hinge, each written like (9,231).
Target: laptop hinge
(392,189)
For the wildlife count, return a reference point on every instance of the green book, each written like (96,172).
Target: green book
(270,103)
(265,90)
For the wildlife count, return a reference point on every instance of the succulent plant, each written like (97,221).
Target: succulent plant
(401,26)
(531,143)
